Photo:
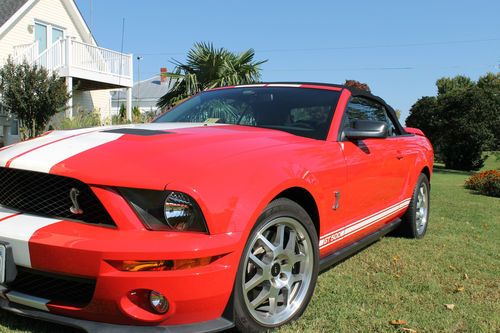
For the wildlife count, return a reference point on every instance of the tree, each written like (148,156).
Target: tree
(32,95)
(357,84)
(424,115)
(208,67)
(462,121)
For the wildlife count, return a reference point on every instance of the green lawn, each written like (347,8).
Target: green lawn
(458,262)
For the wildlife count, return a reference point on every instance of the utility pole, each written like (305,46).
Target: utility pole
(139,58)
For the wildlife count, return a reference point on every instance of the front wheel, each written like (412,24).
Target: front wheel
(278,269)
(415,220)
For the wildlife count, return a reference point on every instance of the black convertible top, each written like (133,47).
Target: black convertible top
(354,92)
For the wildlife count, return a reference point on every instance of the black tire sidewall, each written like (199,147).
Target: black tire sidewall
(278,208)
(411,215)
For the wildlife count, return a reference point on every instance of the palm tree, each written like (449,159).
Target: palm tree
(207,68)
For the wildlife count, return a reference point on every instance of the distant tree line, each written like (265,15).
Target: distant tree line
(462,121)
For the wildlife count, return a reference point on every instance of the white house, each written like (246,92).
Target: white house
(145,93)
(53,34)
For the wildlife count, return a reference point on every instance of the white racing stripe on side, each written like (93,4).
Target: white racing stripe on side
(28,300)
(44,158)
(375,218)
(341,233)
(18,230)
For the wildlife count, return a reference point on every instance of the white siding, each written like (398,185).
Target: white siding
(93,100)
(55,12)
(46,11)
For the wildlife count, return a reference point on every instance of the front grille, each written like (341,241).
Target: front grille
(59,289)
(49,195)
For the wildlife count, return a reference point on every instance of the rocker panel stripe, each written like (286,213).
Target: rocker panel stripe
(341,233)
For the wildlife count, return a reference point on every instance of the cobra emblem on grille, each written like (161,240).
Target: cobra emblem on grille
(73,194)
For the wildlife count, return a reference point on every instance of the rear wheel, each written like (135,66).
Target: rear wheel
(278,269)
(415,220)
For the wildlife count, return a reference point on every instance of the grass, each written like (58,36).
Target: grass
(458,262)
(492,161)
(411,280)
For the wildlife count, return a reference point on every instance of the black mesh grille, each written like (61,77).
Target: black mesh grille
(59,289)
(49,195)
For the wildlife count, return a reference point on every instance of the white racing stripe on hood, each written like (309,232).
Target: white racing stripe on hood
(26,146)
(5,213)
(42,153)
(44,158)
(18,230)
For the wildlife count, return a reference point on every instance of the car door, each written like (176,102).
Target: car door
(376,169)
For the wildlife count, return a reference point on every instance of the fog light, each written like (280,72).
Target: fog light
(158,302)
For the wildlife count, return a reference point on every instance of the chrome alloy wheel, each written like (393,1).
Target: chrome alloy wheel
(422,211)
(278,271)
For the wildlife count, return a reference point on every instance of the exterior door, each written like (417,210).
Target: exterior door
(57,34)
(376,168)
(41,36)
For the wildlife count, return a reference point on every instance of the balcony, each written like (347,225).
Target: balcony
(94,67)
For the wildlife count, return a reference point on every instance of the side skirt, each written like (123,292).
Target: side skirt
(349,250)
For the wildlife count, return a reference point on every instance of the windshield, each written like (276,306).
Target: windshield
(300,111)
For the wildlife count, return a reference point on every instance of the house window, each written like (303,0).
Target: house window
(57,34)
(46,35)
(41,36)
(14,128)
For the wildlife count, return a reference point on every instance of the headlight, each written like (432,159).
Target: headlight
(166,210)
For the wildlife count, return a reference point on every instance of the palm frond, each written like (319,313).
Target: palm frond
(209,67)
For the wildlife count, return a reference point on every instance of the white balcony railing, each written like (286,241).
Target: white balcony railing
(98,59)
(52,58)
(70,56)
(26,52)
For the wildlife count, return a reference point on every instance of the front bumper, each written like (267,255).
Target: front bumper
(77,250)
(215,325)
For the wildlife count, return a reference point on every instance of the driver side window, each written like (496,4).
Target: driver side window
(360,108)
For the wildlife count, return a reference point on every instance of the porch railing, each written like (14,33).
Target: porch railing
(71,53)
(98,59)
(26,52)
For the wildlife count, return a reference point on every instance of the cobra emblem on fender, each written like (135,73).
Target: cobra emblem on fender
(73,194)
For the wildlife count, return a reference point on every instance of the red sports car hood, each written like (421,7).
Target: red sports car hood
(146,156)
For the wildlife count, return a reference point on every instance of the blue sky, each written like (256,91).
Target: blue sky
(400,48)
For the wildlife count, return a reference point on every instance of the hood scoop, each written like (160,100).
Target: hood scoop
(137,131)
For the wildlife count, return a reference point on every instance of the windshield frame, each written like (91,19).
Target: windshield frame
(326,103)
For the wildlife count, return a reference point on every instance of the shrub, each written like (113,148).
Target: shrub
(82,119)
(485,182)
(117,120)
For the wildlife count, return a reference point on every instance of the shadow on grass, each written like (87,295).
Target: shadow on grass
(442,170)
(16,323)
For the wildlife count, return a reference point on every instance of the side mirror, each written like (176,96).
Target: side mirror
(367,129)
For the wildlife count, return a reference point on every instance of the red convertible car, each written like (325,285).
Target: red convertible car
(220,213)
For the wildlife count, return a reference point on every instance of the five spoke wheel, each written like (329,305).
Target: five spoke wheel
(421,213)
(278,270)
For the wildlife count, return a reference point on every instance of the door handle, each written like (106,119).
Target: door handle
(399,155)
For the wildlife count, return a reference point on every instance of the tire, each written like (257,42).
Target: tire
(415,220)
(272,268)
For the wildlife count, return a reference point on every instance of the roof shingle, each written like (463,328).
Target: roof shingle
(9,8)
